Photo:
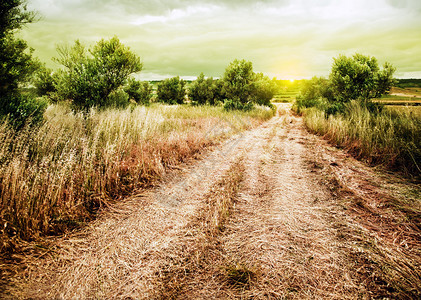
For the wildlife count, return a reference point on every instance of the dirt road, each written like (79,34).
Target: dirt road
(274,213)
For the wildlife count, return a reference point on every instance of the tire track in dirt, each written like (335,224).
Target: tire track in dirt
(280,235)
(120,254)
(289,232)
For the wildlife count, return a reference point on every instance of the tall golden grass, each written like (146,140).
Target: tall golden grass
(56,176)
(391,137)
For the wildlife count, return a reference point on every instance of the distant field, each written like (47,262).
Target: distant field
(287,92)
(287,96)
(402,96)
(411,110)
(410,91)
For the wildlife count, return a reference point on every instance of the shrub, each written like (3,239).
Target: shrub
(352,78)
(20,109)
(202,91)
(359,78)
(171,91)
(140,92)
(239,84)
(219,94)
(237,105)
(117,99)
(45,82)
(264,90)
(90,76)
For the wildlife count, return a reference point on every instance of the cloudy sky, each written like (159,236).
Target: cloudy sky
(289,39)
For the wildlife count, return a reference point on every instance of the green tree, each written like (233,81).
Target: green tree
(141,92)
(264,91)
(359,78)
(90,76)
(219,95)
(171,90)
(239,84)
(202,90)
(16,65)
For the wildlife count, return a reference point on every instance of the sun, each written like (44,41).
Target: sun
(292,80)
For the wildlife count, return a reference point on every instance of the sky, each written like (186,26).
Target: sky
(287,39)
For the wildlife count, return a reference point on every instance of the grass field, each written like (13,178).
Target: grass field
(411,91)
(401,96)
(56,177)
(287,91)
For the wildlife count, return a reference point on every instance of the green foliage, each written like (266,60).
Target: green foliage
(384,80)
(359,78)
(117,99)
(13,15)
(204,91)
(239,83)
(16,66)
(90,76)
(219,94)
(237,105)
(352,78)
(172,91)
(21,108)
(264,90)
(44,82)
(317,87)
(140,92)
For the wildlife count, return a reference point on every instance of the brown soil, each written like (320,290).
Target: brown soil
(304,221)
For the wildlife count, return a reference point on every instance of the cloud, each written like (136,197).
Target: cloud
(281,37)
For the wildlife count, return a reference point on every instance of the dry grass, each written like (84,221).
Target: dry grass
(414,111)
(411,91)
(56,177)
(391,138)
(192,260)
(384,230)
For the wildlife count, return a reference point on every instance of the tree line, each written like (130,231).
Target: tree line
(102,76)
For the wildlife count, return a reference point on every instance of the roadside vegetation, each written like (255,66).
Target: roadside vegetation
(341,109)
(74,140)
(56,177)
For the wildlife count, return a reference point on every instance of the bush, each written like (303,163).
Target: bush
(219,94)
(117,99)
(45,82)
(264,90)
(171,91)
(236,105)
(352,78)
(239,83)
(91,76)
(242,87)
(140,92)
(20,109)
(203,91)
(359,78)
